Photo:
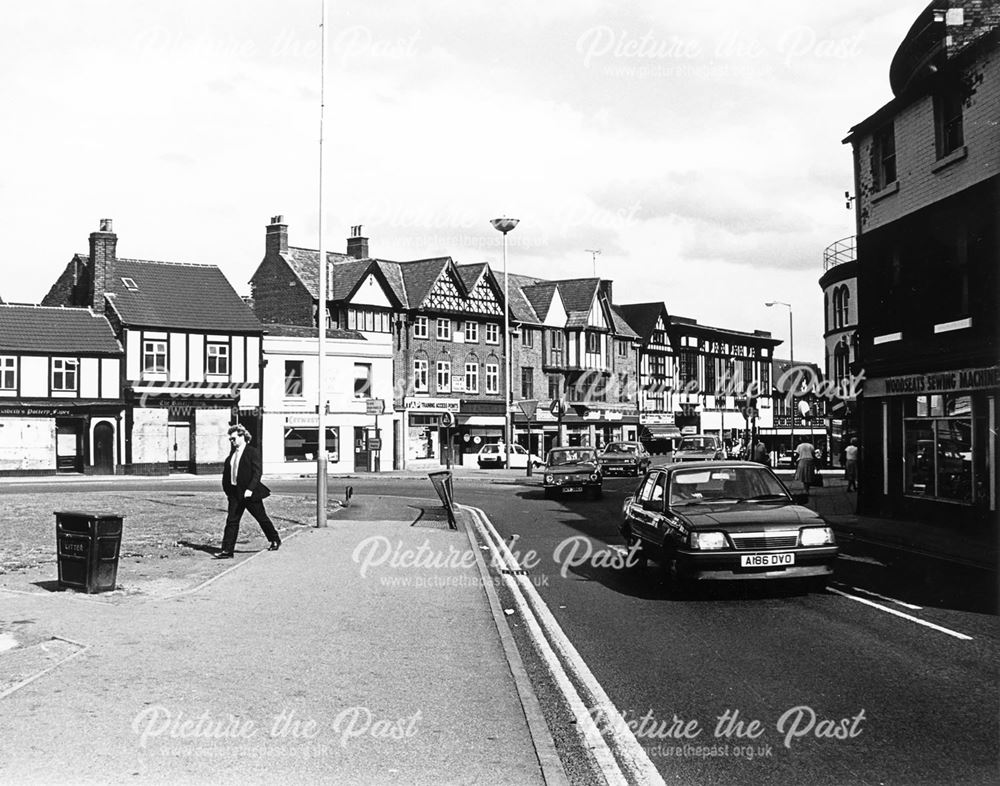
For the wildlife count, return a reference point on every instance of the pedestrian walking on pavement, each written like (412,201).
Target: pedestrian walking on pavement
(806,455)
(760,453)
(851,464)
(244,490)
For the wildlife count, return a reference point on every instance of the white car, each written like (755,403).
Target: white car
(495,455)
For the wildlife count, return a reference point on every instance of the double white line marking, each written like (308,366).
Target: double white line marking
(617,752)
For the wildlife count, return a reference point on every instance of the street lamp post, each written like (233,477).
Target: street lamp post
(791,354)
(505,225)
(321,457)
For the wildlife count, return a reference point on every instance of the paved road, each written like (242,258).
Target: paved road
(915,703)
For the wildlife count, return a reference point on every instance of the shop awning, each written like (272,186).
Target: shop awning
(656,431)
(481,420)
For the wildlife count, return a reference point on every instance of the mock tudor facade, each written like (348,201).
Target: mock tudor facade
(192,354)
(61,406)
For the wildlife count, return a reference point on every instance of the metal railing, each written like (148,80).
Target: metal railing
(839,252)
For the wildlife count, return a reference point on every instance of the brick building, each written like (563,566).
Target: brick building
(927,176)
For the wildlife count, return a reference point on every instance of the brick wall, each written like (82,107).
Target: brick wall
(279,297)
(916,155)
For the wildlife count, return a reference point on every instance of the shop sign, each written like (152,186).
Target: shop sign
(302,420)
(413,404)
(36,412)
(965,379)
(657,418)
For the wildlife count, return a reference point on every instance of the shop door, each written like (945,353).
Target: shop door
(69,456)
(361,452)
(179,446)
(104,449)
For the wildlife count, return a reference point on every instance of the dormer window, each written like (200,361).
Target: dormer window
(130,284)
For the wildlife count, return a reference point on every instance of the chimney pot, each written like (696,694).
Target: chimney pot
(106,225)
(276,236)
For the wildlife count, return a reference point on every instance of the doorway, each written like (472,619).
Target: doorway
(361,451)
(179,446)
(104,449)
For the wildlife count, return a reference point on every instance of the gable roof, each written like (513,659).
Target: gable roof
(642,317)
(420,275)
(304,263)
(56,330)
(175,295)
(470,274)
(620,326)
(520,305)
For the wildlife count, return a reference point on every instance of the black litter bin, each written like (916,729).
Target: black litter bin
(87,545)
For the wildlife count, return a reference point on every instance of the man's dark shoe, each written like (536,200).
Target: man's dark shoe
(275,545)
(224,555)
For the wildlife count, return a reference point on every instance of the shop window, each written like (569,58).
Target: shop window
(422,437)
(883,158)
(301,444)
(444,376)
(444,330)
(362,380)
(154,357)
(948,132)
(492,333)
(293,379)
(472,377)
(65,374)
(217,359)
(492,378)
(527,382)
(938,453)
(472,332)
(8,373)
(420,372)
(420,327)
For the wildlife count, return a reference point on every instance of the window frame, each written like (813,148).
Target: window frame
(291,365)
(70,368)
(443,330)
(209,357)
(949,121)
(147,354)
(421,375)
(367,390)
(492,376)
(8,366)
(883,156)
(492,329)
(471,332)
(442,371)
(527,382)
(471,376)
(421,327)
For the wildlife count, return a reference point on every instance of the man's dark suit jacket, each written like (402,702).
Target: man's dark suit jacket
(247,476)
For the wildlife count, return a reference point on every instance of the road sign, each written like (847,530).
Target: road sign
(375,443)
(558,408)
(528,407)
(375,406)
(447,419)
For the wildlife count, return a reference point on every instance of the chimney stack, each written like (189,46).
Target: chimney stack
(605,287)
(276,240)
(103,253)
(357,246)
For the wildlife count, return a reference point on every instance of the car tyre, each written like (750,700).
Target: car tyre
(678,587)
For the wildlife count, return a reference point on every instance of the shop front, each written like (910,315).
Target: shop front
(929,447)
(479,423)
(579,426)
(658,431)
(44,438)
(428,435)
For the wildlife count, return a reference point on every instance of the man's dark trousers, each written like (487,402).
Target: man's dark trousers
(256,509)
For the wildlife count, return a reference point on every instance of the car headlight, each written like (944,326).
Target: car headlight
(708,541)
(548,478)
(815,536)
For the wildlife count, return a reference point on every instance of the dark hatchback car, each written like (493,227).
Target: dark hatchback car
(624,458)
(726,520)
(572,471)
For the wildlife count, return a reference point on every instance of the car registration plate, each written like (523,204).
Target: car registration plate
(766,560)
(572,489)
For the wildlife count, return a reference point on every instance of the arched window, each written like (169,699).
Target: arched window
(845,304)
(836,307)
(841,360)
(471,373)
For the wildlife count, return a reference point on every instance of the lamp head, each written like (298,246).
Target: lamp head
(504,224)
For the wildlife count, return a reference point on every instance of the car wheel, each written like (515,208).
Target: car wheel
(678,587)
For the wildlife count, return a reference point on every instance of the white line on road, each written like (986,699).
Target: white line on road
(904,604)
(866,560)
(631,753)
(895,613)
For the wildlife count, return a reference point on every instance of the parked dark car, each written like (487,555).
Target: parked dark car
(572,471)
(699,447)
(726,520)
(624,458)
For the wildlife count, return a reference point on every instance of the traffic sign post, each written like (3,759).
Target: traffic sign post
(558,408)
(448,422)
(375,406)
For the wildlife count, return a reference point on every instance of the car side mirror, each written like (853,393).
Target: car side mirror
(652,505)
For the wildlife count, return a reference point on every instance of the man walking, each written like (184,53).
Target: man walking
(241,482)
(851,465)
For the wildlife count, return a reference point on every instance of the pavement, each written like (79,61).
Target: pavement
(363,652)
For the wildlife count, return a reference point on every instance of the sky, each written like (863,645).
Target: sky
(697,146)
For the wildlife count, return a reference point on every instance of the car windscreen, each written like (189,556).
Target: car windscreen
(697,444)
(569,456)
(621,447)
(725,484)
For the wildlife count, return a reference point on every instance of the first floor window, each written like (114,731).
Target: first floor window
(471,377)
(527,337)
(217,358)
(593,343)
(362,380)
(444,329)
(420,327)
(527,382)
(293,379)
(492,378)
(8,373)
(444,376)
(555,387)
(301,444)
(154,356)
(64,373)
(472,332)
(420,375)
(492,333)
